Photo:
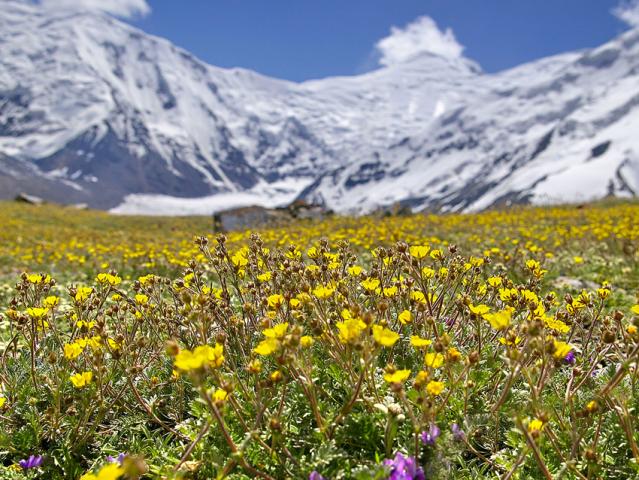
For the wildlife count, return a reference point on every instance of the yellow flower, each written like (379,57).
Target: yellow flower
(575,306)
(141,299)
(350,330)
(476,261)
(72,350)
(478,309)
(390,291)
(323,291)
(405,317)
(370,284)
(111,471)
(267,347)
(81,380)
(255,366)
(399,376)
(437,254)
(51,301)
(418,296)
(631,329)
(635,309)
(275,301)
(419,342)
(533,265)
(202,357)
(435,388)
(452,355)
(495,282)
(187,279)
(88,325)
(239,259)
(146,279)
(355,270)
(94,342)
(264,277)
(603,292)
(278,331)
(294,254)
(346,314)
(434,360)
(530,297)
(499,320)
(3,400)
(219,395)
(561,349)
(108,278)
(420,379)
(510,343)
(428,272)
(508,294)
(592,406)
(535,425)
(113,344)
(37,313)
(419,251)
(82,293)
(556,324)
(577,259)
(38,278)
(384,337)
(306,341)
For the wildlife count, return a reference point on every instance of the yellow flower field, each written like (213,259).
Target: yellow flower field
(494,345)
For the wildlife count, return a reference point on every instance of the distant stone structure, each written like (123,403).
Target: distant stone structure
(247,218)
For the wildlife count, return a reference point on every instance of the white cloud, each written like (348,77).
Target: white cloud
(628,11)
(421,35)
(119,8)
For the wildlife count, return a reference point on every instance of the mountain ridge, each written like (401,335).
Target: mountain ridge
(94,110)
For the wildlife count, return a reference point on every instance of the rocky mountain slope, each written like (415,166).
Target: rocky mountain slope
(93,110)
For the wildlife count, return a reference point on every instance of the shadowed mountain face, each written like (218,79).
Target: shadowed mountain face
(93,110)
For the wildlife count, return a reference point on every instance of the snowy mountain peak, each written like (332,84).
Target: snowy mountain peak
(93,110)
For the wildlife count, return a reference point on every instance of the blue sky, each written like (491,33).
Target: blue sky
(304,39)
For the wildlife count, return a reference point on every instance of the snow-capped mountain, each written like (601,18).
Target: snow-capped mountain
(93,110)
(564,128)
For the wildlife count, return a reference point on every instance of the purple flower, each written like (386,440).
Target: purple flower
(315,476)
(458,433)
(570,358)
(429,437)
(34,461)
(404,468)
(119,459)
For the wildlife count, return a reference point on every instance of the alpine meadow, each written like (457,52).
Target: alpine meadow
(414,269)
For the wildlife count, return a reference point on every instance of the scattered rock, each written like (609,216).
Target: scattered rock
(574,283)
(246,218)
(30,199)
